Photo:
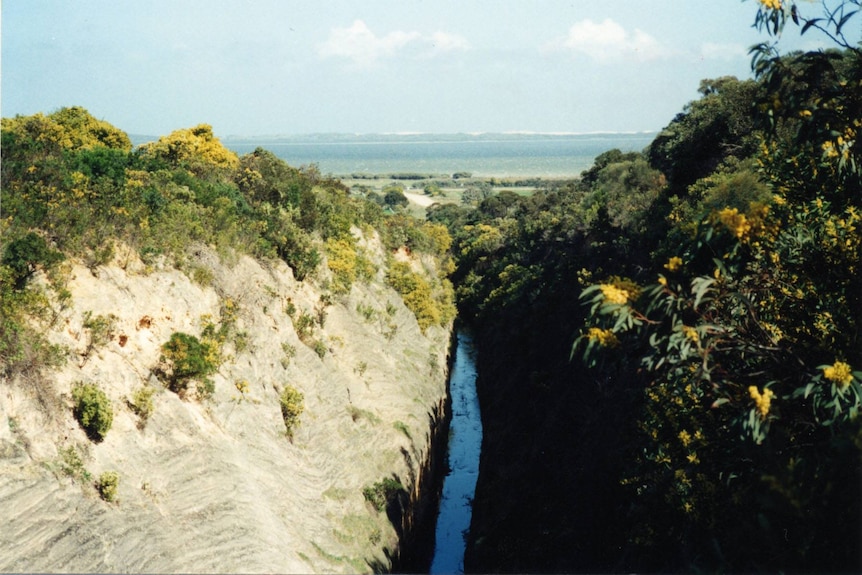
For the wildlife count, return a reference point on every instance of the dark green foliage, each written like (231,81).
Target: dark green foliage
(93,410)
(724,264)
(101,162)
(383,492)
(189,358)
(26,254)
(394,197)
(263,177)
(719,125)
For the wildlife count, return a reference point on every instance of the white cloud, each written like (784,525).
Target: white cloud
(608,41)
(445,42)
(361,45)
(716,51)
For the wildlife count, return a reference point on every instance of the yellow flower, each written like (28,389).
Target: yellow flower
(829,150)
(734,221)
(685,437)
(690,333)
(761,400)
(673,263)
(613,294)
(771,4)
(662,280)
(838,372)
(604,337)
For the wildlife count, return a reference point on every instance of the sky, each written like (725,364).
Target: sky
(280,67)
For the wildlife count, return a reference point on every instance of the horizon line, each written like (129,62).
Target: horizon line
(421,133)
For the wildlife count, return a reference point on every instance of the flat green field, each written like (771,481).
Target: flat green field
(444,189)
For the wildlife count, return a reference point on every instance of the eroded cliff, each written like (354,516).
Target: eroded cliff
(214,484)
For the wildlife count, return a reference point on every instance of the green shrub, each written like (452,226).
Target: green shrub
(304,325)
(383,492)
(189,358)
(320,349)
(92,410)
(101,329)
(24,255)
(142,402)
(107,485)
(292,405)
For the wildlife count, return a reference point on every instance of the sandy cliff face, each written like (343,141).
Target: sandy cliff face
(215,485)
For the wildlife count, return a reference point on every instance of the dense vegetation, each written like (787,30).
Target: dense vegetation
(73,187)
(670,346)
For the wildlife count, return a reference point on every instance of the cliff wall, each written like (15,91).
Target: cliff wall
(215,484)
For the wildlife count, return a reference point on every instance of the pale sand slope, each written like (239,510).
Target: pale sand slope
(215,486)
(420,199)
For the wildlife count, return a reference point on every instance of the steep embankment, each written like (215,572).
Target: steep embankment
(215,485)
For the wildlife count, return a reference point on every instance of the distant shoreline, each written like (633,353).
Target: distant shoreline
(520,155)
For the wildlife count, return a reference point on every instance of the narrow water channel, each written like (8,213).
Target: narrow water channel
(465,443)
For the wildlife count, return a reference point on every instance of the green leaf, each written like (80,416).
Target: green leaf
(809,24)
(699,287)
(844,21)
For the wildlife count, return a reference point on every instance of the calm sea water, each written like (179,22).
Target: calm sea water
(503,155)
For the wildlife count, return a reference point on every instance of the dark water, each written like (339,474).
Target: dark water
(502,155)
(465,443)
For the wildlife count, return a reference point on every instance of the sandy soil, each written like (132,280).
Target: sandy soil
(215,485)
(420,199)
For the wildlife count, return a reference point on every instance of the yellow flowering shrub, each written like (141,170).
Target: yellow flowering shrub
(762,401)
(604,337)
(195,147)
(614,295)
(341,261)
(838,373)
(673,264)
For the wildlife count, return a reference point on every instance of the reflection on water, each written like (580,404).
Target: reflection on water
(465,443)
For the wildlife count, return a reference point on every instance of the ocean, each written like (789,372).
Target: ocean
(482,155)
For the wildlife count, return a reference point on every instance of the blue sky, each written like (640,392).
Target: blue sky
(264,67)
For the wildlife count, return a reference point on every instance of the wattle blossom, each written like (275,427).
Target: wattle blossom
(762,401)
(614,295)
(838,372)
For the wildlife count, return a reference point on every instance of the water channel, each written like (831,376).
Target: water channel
(465,443)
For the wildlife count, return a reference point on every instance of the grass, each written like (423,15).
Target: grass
(402,427)
(357,414)
(72,464)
